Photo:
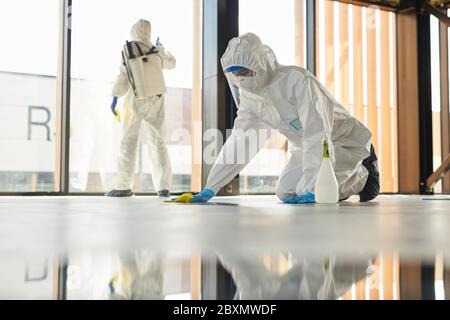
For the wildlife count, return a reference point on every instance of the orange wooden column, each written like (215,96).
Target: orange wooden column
(347,295)
(196,277)
(394,109)
(385,156)
(447,283)
(344,54)
(374,290)
(361,290)
(410,280)
(357,64)
(388,277)
(445,112)
(329,45)
(371,70)
(408,103)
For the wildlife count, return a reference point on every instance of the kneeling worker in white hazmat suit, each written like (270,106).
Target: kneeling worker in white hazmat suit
(290,99)
(141,79)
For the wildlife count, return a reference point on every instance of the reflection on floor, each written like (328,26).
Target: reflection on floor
(148,275)
(140,248)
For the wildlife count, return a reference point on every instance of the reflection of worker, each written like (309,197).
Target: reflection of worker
(288,98)
(149,110)
(318,278)
(141,277)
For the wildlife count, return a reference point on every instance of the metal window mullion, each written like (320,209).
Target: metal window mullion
(425,111)
(311,36)
(221,24)
(65,100)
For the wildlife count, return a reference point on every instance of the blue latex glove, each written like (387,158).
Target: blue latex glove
(203,196)
(113,106)
(158,44)
(307,197)
(114,109)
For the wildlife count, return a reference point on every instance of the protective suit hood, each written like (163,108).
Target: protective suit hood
(141,31)
(248,51)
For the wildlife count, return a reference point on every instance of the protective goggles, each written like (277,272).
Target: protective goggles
(239,71)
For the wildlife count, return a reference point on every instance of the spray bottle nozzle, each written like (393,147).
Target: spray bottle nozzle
(326,151)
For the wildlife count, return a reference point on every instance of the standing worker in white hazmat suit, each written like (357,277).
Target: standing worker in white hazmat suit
(146,108)
(289,98)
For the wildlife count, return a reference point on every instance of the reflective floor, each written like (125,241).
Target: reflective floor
(234,248)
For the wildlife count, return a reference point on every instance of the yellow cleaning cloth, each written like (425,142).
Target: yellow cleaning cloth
(184,198)
(117,115)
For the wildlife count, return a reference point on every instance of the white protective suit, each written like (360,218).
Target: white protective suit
(292,100)
(150,111)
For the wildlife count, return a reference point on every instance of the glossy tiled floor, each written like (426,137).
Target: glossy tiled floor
(397,247)
(411,224)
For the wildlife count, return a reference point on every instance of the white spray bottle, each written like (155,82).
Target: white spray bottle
(327,188)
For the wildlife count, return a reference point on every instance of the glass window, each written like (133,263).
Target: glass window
(99,31)
(28,67)
(286,37)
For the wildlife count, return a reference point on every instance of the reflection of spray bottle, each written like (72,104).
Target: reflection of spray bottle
(327,190)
